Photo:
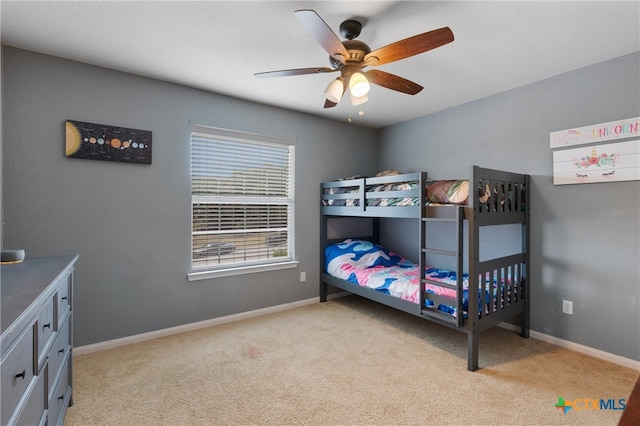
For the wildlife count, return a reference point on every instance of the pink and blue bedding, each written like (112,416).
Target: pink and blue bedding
(370,265)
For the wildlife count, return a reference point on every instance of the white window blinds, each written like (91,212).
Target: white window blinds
(242,188)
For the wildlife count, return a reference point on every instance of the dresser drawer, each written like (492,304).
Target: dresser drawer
(58,354)
(64,298)
(33,409)
(45,330)
(17,373)
(36,341)
(61,396)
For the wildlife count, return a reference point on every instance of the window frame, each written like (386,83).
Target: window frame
(222,270)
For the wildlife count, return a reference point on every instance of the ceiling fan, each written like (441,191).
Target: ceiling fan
(351,56)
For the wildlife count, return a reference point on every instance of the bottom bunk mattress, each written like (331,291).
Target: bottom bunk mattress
(370,265)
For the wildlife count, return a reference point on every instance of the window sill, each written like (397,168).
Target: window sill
(217,273)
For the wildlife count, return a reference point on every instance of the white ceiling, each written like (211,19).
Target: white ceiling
(218,46)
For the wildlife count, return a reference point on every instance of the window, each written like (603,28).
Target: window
(242,196)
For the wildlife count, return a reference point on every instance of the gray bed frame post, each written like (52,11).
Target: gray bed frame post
(526,238)
(474,249)
(324,287)
(422,243)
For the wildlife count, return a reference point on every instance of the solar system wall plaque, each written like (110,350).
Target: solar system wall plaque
(101,142)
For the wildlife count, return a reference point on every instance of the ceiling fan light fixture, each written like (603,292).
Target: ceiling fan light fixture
(334,90)
(350,56)
(358,85)
(355,101)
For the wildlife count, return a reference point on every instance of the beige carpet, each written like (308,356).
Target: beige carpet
(344,362)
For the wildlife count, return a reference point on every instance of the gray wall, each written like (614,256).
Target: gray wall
(130,223)
(585,238)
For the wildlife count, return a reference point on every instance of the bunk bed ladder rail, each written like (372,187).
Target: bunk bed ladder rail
(432,312)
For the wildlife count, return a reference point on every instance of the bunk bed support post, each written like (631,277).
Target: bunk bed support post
(526,238)
(422,241)
(324,287)
(460,215)
(375,229)
(472,350)
(474,249)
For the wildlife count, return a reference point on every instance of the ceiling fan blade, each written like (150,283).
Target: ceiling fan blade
(298,71)
(321,32)
(393,82)
(409,46)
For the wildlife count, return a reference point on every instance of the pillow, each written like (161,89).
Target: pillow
(453,192)
(448,191)
(391,172)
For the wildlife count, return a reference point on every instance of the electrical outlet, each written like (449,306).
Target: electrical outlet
(567,307)
(303,277)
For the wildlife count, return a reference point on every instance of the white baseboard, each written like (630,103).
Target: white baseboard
(576,347)
(110,344)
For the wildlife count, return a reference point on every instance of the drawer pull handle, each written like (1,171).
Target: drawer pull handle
(47,325)
(22,375)
(64,298)
(61,351)
(60,398)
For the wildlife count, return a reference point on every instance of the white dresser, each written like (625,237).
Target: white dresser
(36,342)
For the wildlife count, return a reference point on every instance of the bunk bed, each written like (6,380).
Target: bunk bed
(485,200)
